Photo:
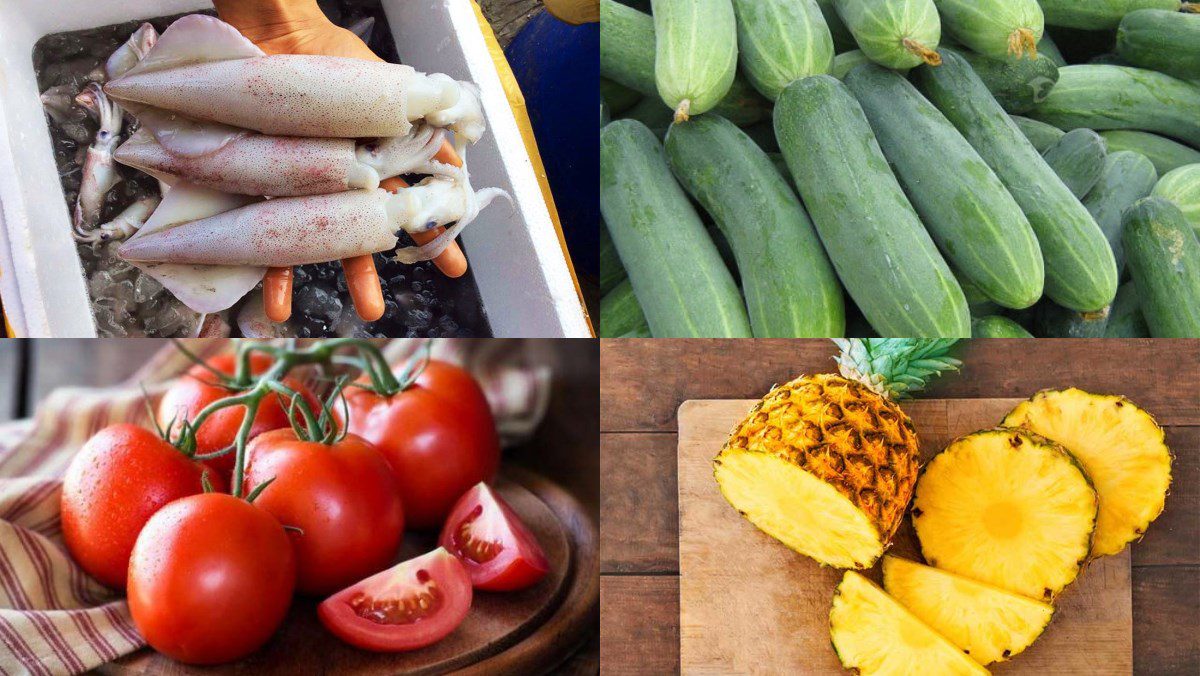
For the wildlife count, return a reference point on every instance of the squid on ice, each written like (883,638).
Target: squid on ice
(225,124)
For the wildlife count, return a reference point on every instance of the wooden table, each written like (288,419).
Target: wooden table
(564,448)
(643,382)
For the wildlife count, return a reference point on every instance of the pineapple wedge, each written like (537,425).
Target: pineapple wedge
(988,623)
(1009,508)
(873,634)
(1121,448)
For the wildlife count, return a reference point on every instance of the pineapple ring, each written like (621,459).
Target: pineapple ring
(873,634)
(1121,448)
(1009,508)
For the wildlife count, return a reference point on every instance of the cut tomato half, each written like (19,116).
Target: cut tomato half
(497,549)
(406,607)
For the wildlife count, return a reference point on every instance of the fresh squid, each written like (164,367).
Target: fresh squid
(131,52)
(99,174)
(125,224)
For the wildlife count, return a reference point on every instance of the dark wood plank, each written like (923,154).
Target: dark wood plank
(1174,538)
(1166,614)
(639,532)
(94,362)
(644,381)
(11,355)
(639,631)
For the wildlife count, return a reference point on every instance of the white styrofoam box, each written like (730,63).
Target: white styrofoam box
(519,265)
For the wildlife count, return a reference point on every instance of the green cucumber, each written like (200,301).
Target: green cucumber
(620,313)
(695,53)
(976,223)
(1167,155)
(1054,321)
(1126,320)
(1164,256)
(612,272)
(781,41)
(1018,84)
(1000,29)
(1048,47)
(678,276)
(1127,177)
(882,252)
(996,326)
(1182,186)
(1040,134)
(847,61)
(894,33)
(790,287)
(1078,159)
(1080,271)
(781,166)
(1119,97)
(1097,14)
(843,41)
(618,97)
(977,301)
(627,54)
(1168,42)
(651,112)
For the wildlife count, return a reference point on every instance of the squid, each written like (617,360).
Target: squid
(131,52)
(99,173)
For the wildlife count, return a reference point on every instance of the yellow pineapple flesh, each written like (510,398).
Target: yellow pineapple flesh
(873,634)
(1121,448)
(988,623)
(825,465)
(1009,508)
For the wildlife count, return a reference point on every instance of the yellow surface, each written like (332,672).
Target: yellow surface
(575,11)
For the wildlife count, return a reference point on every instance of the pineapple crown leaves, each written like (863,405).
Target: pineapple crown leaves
(894,368)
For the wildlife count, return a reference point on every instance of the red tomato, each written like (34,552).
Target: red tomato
(498,550)
(342,496)
(116,482)
(199,388)
(211,579)
(438,436)
(412,605)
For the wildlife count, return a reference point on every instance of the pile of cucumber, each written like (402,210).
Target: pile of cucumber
(900,168)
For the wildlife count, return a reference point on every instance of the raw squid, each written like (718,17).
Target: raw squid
(99,174)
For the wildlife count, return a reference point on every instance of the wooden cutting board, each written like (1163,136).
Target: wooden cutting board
(748,604)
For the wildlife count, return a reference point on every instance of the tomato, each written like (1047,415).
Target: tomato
(498,550)
(116,482)
(198,388)
(438,435)
(211,579)
(412,605)
(341,496)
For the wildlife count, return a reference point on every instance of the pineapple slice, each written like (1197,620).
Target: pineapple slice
(826,466)
(988,623)
(1120,447)
(873,634)
(1009,508)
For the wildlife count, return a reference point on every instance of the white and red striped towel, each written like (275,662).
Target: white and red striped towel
(54,619)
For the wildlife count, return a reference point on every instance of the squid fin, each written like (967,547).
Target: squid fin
(195,38)
(181,135)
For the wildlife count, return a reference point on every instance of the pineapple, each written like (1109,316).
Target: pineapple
(1120,447)
(873,634)
(988,623)
(826,463)
(1009,508)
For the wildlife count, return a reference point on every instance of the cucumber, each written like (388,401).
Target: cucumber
(1127,178)
(678,276)
(1054,321)
(1119,97)
(843,41)
(651,112)
(1078,159)
(1126,320)
(1097,14)
(620,314)
(976,223)
(1168,42)
(695,53)
(618,97)
(1182,187)
(790,287)
(1164,257)
(1048,47)
(978,303)
(627,53)
(996,326)
(1080,271)
(1040,134)
(1000,29)
(612,272)
(894,33)
(847,61)
(781,41)
(781,166)
(882,253)
(1167,155)
(1018,84)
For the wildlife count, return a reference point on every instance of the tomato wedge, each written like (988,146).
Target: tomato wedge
(497,549)
(408,606)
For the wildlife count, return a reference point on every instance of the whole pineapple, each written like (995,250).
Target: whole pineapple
(826,464)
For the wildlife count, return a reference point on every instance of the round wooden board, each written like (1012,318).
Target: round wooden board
(492,632)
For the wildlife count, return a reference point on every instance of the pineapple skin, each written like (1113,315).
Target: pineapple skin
(844,434)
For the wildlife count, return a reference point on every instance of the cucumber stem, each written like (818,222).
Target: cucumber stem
(1022,42)
(927,55)
(681,113)
(1193,7)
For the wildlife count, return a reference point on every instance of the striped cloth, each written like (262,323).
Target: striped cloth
(54,619)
